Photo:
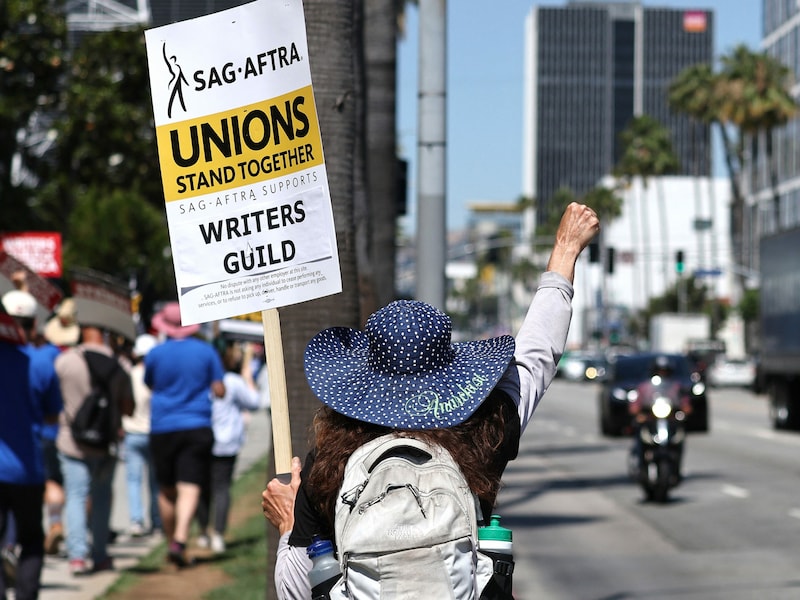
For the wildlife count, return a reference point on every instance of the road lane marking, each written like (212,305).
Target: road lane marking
(735,491)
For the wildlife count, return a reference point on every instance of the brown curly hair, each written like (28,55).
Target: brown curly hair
(474,444)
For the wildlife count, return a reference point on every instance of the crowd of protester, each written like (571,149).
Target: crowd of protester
(182,399)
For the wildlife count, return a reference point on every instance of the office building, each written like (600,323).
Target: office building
(590,68)
(781,37)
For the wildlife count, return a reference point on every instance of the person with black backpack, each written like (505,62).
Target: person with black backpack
(97,391)
(409,420)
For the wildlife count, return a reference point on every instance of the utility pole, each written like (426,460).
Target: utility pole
(431,153)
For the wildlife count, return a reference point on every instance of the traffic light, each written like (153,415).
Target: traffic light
(610,261)
(679,262)
(594,251)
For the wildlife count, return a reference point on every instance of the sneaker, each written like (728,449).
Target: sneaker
(137,530)
(177,556)
(9,559)
(217,543)
(78,567)
(55,536)
(202,542)
(107,564)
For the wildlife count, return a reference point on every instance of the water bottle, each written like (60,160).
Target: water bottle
(325,571)
(495,541)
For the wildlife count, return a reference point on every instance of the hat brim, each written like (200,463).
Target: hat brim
(159,323)
(61,335)
(337,369)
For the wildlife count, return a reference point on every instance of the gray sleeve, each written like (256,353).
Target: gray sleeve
(291,571)
(540,343)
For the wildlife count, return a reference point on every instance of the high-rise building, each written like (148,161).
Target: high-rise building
(590,68)
(781,35)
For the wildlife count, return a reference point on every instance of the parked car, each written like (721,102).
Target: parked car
(623,377)
(581,366)
(732,372)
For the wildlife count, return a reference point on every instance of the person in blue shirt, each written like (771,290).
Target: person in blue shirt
(184,374)
(228,423)
(30,398)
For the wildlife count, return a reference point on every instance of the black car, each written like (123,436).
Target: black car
(623,376)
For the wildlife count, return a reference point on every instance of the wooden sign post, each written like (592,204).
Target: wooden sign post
(279,403)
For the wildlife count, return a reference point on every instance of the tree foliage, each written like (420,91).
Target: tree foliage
(647,150)
(92,173)
(32,46)
(105,134)
(605,202)
(751,93)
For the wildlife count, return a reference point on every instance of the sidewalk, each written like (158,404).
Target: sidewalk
(58,584)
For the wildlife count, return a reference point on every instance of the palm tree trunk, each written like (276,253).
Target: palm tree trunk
(645,240)
(636,247)
(773,177)
(380,46)
(698,201)
(737,201)
(664,230)
(335,55)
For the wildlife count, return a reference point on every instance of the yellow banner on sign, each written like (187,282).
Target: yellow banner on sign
(243,146)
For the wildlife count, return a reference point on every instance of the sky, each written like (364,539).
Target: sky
(485,42)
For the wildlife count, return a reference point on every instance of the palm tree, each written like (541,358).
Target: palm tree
(692,93)
(753,95)
(648,152)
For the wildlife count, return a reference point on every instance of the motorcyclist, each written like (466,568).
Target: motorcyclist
(662,377)
(662,381)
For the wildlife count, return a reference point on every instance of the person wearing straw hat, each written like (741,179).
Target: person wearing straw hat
(62,328)
(184,373)
(60,332)
(89,470)
(403,374)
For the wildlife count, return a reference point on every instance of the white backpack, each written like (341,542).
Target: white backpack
(406,525)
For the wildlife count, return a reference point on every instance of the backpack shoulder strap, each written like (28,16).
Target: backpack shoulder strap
(101,366)
(387,445)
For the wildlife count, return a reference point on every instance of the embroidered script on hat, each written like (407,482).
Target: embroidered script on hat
(430,401)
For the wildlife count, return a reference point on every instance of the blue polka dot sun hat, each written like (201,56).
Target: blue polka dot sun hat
(403,371)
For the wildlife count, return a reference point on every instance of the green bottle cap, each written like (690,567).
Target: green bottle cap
(493,531)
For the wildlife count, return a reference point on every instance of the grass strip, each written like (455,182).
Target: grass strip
(245,557)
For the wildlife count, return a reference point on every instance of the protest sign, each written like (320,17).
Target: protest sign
(248,205)
(103,301)
(39,250)
(246,192)
(10,331)
(47,295)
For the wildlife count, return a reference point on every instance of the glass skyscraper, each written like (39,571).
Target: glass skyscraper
(590,68)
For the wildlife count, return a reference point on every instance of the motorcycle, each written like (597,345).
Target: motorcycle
(659,434)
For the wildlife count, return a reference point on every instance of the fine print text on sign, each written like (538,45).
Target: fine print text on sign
(246,190)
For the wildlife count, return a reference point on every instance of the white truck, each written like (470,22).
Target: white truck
(672,332)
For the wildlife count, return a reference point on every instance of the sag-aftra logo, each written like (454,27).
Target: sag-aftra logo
(213,76)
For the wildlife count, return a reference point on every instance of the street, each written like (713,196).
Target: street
(582,530)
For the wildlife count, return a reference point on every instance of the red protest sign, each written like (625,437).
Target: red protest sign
(39,250)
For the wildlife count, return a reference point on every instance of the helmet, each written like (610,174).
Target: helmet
(662,366)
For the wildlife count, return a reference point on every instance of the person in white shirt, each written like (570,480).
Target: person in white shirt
(228,420)
(138,460)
